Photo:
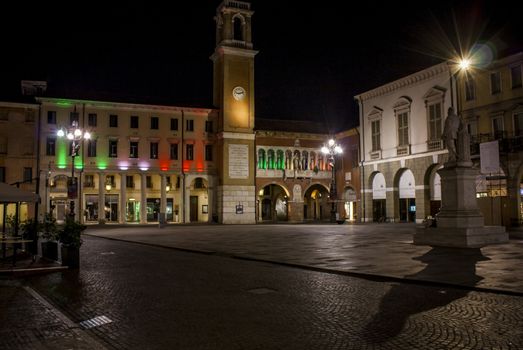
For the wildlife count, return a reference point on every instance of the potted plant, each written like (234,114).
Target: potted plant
(69,235)
(48,232)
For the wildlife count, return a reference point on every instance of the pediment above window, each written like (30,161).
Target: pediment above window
(375,113)
(403,102)
(435,93)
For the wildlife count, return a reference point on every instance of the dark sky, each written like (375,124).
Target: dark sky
(314,56)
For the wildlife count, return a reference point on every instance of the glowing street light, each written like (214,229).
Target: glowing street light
(75,135)
(331,149)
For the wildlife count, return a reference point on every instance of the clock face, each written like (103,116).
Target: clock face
(238,93)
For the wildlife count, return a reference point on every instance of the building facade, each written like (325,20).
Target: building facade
(401,147)
(18,150)
(160,163)
(294,178)
(143,163)
(401,125)
(491,100)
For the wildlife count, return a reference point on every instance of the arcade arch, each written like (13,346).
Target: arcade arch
(316,203)
(273,203)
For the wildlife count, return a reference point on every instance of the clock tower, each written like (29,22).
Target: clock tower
(233,95)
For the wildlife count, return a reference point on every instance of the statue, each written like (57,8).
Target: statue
(450,134)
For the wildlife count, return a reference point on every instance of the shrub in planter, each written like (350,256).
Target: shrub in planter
(70,236)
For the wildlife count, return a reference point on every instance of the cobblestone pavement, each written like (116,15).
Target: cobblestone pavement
(29,323)
(159,298)
(375,249)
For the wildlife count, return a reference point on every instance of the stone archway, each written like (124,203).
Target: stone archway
(349,203)
(379,196)
(273,201)
(316,203)
(406,195)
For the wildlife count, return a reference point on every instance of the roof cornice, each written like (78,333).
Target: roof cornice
(412,79)
(120,105)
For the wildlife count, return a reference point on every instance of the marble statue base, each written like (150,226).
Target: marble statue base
(459,222)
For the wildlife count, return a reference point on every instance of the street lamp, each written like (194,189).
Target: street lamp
(75,135)
(459,65)
(331,149)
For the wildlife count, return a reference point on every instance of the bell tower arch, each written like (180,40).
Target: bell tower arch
(233,95)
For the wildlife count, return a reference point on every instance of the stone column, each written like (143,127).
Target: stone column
(123,198)
(187,200)
(182,198)
(143,199)
(80,205)
(101,198)
(163,199)
(422,204)
(392,205)
(210,198)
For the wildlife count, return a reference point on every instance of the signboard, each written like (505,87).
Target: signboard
(239,209)
(72,188)
(238,161)
(489,156)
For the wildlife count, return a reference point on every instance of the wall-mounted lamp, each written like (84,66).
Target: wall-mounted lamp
(167,187)
(108,185)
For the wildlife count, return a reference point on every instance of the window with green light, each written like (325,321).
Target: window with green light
(261,159)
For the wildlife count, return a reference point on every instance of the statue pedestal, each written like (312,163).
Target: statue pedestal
(459,222)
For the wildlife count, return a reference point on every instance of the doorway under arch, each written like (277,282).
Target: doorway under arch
(316,203)
(273,203)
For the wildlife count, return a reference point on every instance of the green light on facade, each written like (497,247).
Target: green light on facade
(64,103)
(61,154)
(101,162)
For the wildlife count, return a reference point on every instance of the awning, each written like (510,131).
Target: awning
(11,194)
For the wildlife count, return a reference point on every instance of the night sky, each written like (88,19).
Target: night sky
(314,57)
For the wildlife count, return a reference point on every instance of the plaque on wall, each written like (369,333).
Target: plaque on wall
(238,161)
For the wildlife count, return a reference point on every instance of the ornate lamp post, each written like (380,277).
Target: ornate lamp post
(75,135)
(331,149)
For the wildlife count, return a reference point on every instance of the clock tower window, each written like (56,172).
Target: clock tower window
(238,28)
